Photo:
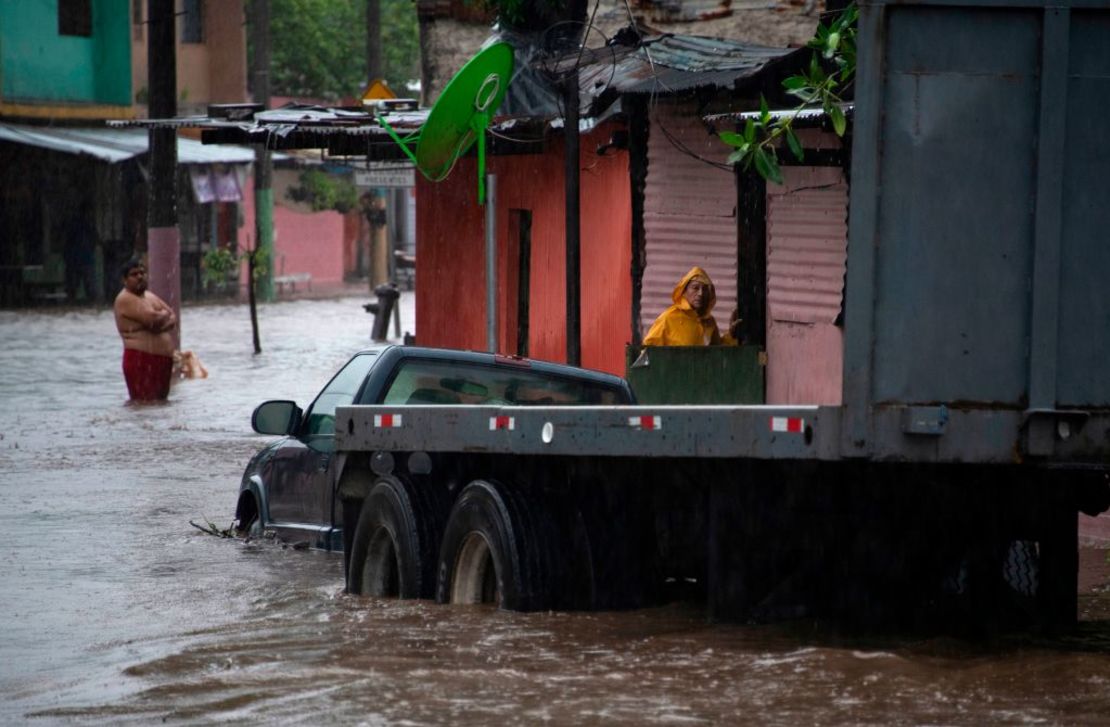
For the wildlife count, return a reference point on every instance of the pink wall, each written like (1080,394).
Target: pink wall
(309,243)
(450,254)
(303,243)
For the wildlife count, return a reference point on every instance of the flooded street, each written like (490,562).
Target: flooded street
(116,609)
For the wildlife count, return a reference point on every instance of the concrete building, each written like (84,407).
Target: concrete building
(72,191)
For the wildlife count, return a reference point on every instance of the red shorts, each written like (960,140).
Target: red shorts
(147,374)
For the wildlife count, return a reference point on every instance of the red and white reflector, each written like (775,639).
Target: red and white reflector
(496,423)
(645,422)
(794,425)
(387,421)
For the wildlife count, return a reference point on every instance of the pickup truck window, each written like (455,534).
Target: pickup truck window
(443,382)
(340,391)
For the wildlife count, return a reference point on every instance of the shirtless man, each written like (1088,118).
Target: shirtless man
(146,325)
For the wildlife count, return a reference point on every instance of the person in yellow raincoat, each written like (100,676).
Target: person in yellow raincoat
(689,322)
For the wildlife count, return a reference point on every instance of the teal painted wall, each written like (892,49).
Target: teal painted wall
(38,65)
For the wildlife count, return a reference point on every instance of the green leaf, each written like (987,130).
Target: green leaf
(794,144)
(840,124)
(793,83)
(764,110)
(737,156)
(816,73)
(732,138)
(749,130)
(767,166)
(807,95)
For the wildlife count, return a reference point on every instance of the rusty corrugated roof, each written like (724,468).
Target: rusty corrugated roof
(673,63)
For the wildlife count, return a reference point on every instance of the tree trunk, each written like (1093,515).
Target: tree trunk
(374,70)
(253,305)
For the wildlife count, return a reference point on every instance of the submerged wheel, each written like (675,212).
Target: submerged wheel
(499,547)
(248,520)
(396,540)
(253,529)
(475,578)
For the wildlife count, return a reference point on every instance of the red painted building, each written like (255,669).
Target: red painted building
(531,234)
(670,169)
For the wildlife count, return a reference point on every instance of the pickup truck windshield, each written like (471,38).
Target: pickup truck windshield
(443,382)
(340,391)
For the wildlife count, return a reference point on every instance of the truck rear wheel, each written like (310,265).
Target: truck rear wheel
(395,543)
(475,579)
(499,548)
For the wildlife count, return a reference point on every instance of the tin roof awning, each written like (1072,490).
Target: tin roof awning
(804,118)
(658,64)
(117,145)
(342,132)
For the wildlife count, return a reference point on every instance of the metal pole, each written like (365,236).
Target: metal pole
(263,164)
(491,262)
(391,196)
(573,231)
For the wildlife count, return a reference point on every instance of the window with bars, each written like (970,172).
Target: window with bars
(75,17)
(192,22)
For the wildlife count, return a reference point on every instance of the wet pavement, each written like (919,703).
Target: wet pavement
(117,610)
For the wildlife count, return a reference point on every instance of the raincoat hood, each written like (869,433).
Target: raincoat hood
(698,274)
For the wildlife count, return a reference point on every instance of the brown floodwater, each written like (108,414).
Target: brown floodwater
(117,610)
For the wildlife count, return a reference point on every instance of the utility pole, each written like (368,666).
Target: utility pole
(163,240)
(263,166)
(380,254)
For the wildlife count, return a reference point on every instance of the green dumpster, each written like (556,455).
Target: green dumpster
(695,374)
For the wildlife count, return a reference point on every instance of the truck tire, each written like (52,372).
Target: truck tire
(617,560)
(499,547)
(393,553)
(1022,567)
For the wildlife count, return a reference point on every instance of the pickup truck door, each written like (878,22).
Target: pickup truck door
(301,486)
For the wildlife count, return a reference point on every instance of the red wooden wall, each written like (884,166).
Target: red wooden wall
(450,255)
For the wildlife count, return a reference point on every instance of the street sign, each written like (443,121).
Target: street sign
(378,89)
(385,177)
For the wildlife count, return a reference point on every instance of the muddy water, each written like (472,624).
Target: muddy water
(115,609)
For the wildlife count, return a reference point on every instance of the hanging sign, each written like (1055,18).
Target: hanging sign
(385,177)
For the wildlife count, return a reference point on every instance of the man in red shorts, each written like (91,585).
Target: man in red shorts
(146,325)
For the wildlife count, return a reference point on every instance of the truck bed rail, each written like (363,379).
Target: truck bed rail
(909,434)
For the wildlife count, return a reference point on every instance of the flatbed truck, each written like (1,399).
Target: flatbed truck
(975,422)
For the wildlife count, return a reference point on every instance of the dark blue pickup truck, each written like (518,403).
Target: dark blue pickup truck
(289,487)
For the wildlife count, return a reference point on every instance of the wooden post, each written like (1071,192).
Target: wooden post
(573,231)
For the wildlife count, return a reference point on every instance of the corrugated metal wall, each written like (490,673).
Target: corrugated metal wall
(807,248)
(689,212)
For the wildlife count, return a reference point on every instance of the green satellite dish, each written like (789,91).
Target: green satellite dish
(460,116)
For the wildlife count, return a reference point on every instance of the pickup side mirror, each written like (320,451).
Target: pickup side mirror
(276,417)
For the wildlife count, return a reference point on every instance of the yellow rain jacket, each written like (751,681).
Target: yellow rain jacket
(680,324)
